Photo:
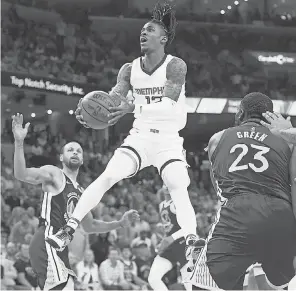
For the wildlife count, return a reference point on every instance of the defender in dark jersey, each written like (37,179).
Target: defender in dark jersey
(256,224)
(171,249)
(61,194)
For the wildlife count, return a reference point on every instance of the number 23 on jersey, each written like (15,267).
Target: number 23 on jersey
(259,158)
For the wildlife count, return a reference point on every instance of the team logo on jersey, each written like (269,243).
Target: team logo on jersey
(72,200)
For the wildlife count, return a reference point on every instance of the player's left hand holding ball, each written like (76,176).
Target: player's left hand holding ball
(129,217)
(119,111)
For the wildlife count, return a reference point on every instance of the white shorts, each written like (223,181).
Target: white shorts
(200,276)
(153,149)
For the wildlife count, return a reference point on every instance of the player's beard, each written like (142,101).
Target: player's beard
(72,166)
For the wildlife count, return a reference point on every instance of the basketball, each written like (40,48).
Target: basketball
(94,109)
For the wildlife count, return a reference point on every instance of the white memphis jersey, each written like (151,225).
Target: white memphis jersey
(148,88)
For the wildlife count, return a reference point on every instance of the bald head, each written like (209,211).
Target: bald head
(252,106)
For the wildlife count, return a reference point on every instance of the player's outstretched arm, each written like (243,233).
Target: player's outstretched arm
(91,225)
(280,126)
(21,172)
(293,179)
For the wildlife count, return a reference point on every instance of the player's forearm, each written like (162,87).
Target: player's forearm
(23,281)
(139,281)
(19,160)
(289,135)
(178,234)
(166,105)
(293,179)
(99,226)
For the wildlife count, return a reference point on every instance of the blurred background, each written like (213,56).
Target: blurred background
(54,52)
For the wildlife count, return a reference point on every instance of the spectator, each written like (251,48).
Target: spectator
(20,229)
(143,260)
(33,220)
(112,272)
(131,272)
(26,276)
(11,251)
(12,200)
(16,215)
(142,239)
(140,225)
(88,272)
(9,272)
(101,248)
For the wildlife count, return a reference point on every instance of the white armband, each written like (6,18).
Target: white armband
(178,234)
(166,104)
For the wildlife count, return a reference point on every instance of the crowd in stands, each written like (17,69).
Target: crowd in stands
(244,13)
(218,59)
(120,259)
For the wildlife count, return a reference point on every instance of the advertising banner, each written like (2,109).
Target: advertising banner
(23,81)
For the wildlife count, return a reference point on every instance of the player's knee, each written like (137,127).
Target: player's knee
(153,278)
(175,176)
(120,167)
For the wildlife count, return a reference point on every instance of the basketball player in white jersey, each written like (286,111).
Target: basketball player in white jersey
(157,82)
(61,194)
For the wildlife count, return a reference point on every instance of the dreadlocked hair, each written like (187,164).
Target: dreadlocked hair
(164,15)
(256,103)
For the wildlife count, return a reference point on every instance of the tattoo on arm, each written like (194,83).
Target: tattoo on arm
(123,84)
(176,75)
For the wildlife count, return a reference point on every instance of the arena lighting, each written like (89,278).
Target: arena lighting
(71,112)
(236,2)
(33,115)
(49,111)
(229,7)
(222,11)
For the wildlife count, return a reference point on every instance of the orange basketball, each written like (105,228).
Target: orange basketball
(94,109)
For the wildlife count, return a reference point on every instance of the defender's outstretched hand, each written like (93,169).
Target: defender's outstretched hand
(129,217)
(276,121)
(78,115)
(280,126)
(19,132)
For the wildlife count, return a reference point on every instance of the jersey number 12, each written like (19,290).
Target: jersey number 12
(259,156)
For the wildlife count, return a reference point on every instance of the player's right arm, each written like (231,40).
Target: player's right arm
(213,143)
(119,91)
(293,179)
(21,172)
(92,225)
(123,84)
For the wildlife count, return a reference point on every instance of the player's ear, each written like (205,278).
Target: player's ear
(164,40)
(241,115)
(61,158)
